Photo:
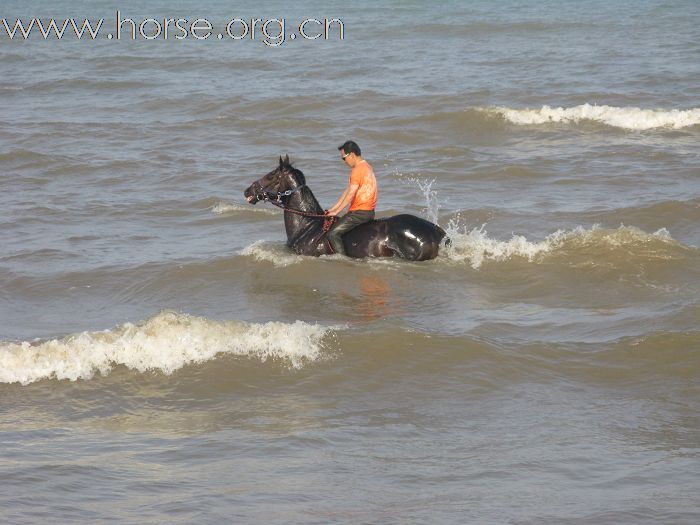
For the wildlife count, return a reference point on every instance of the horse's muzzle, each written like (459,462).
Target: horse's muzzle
(251,195)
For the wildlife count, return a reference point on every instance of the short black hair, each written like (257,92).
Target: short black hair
(350,146)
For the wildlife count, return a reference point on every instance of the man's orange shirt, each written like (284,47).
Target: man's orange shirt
(362,175)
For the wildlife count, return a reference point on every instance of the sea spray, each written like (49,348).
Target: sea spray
(429,194)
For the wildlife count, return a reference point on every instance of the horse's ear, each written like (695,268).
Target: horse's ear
(286,160)
(281,161)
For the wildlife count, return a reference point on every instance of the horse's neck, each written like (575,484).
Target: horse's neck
(302,201)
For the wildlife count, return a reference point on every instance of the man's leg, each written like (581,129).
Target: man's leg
(343,225)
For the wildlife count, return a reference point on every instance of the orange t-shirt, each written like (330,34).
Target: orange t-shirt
(366,197)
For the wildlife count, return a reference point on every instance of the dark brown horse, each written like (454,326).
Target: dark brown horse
(405,236)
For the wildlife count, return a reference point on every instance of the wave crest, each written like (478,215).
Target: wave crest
(278,254)
(165,343)
(630,118)
(228,208)
(475,246)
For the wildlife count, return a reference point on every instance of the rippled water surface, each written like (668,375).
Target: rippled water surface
(165,358)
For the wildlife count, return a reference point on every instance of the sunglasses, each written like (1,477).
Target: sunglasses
(344,156)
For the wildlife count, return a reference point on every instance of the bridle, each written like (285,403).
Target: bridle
(276,200)
(265,193)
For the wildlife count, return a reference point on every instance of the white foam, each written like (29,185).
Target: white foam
(620,117)
(164,343)
(474,246)
(277,254)
(226,208)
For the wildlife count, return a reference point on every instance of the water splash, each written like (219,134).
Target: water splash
(429,194)
(474,246)
(278,254)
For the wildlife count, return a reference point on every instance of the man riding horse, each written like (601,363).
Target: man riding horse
(361,195)
(405,236)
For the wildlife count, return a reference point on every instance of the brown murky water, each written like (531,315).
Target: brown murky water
(164,358)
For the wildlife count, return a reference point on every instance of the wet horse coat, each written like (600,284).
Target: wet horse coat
(404,235)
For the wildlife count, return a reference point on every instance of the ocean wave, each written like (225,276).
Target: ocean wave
(33,158)
(163,343)
(278,254)
(228,208)
(95,84)
(672,212)
(475,246)
(450,29)
(630,118)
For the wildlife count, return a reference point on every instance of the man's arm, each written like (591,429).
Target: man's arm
(333,210)
(345,199)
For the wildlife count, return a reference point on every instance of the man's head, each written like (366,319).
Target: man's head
(350,153)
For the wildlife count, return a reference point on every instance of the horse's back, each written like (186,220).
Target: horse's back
(405,235)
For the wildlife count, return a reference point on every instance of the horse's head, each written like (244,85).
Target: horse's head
(284,177)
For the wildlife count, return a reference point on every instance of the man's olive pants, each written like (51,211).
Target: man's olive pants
(347,222)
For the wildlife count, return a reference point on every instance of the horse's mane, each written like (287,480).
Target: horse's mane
(301,179)
(286,166)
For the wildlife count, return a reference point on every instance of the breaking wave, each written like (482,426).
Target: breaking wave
(164,343)
(278,254)
(475,247)
(620,117)
(228,208)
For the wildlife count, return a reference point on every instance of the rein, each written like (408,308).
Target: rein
(328,220)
